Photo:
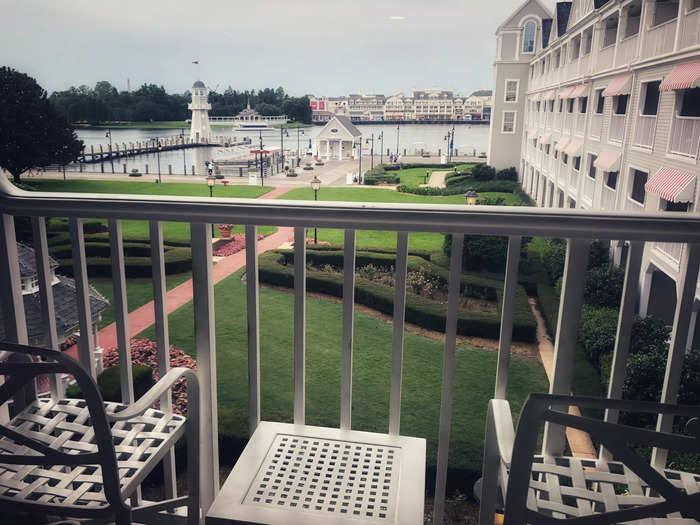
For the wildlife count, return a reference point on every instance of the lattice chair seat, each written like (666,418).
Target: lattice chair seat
(85,458)
(545,489)
(64,426)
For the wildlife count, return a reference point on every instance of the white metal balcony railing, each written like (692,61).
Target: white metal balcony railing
(690,28)
(608,198)
(659,39)
(596,126)
(626,50)
(617,128)
(577,226)
(644,132)
(588,188)
(573,179)
(584,67)
(558,121)
(605,58)
(672,250)
(685,136)
(581,123)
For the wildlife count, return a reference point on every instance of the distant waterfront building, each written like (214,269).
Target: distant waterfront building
(338,139)
(433,104)
(399,107)
(200,129)
(477,106)
(598,106)
(366,107)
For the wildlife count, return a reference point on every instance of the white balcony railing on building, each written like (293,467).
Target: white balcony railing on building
(568,122)
(626,50)
(584,67)
(608,198)
(580,123)
(588,188)
(690,28)
(644,132)
(672,250)
(573,179)
(596,126)
(605,58)
(617,128)
(577,226)
(633,206)
(659,39)
(685,136)
(558,120)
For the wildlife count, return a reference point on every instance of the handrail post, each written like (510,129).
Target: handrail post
(253,314)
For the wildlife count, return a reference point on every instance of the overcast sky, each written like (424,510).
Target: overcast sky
(327,47)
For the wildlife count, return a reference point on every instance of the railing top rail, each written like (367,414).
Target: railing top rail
(483,220)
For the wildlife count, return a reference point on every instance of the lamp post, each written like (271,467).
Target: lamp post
(299,132)
(108,135)
(358,145)
(471,197)
(283,132)
(262,172)
(427,176)
(158,155)
(315,185)
(210,182)
(371,166)
(184,160)
(450,138)
(398,127)
(381,153)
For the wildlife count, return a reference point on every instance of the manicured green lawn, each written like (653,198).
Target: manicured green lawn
(138,292)
(171,230)
(474,372)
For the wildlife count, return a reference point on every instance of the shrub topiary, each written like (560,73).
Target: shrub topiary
(481,252)
(597,329)
(604,286)
(483,172)
(507,174)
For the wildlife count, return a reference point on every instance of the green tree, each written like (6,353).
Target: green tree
(33,133)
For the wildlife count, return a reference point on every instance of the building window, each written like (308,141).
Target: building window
(529,37)
(620,104)
(575,48)
(571,105)
(611,179)
(639,179)
(599,101)
(650,96)
(572,203)
(551,106)
(591,165)
(675,206)
(576,162)
(583,105)
(565,158)
(587,41)
(695,4)
(508,122)
(610,32)
(511,91)
(689,103)
(633,19)
(664,10)
(546,149)
(561,105)
(557,58)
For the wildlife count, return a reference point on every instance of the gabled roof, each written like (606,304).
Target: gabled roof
(563,12)
(27,260)
(546,31)
(482,93)
(348,125)
(516,13)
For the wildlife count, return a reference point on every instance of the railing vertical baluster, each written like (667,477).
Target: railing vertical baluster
(505,337)
(299,326)
(624,332)
(121,310)
(690,260)
(160,311)
(11,292)
(48,314)
(348,320)
(567,335)
(205,346)
(82,292)
(453,295)
(398,326)
(253,311)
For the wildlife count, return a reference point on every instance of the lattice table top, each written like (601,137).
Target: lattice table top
(310,475)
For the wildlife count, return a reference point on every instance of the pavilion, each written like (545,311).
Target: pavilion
(338,138)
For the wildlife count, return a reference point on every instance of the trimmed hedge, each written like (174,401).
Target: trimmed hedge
(109,383)
(422,311)
(177,260)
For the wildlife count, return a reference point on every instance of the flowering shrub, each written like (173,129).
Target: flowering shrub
(226,229)
(235,245)
(145,352)
(424,284)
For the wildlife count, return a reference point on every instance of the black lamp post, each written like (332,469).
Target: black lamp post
(471,197)
(299,132)
(283,133)
(211,180)
(158,155)
(398,127)
(371,166)
(381,153)
(427,176)
(108,135)
(184,160)
(315,185)
(262,172)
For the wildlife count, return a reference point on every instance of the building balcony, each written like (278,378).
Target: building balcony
(596,125)
(626,50)
(659,39)
(580,123)
(578,227)
(617,128)
(685,136)
(605,58)
(690,29)
(608,198)
(588,189)
(672,250)
(644,131)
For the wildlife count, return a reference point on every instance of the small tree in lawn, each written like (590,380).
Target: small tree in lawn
(32,133)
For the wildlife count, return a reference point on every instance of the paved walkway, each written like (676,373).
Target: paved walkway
(579,442)
(144,316)
(437,179)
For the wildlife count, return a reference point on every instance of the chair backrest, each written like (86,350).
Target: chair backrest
(20,370)
(616,437)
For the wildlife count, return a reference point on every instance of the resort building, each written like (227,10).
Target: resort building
(399,107)
(366,107)
(598,106)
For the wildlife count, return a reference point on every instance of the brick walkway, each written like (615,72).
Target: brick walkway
(144,316)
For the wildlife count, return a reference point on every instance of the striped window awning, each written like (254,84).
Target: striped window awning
(550,95)
(578,91)
(620,85)
(532,132)
(672,185)
(574,148)
(545,138)
(685,76)
(535,97)
(564,93)
(608,160)
(562,144)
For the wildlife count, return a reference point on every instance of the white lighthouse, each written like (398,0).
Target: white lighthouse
(200,130)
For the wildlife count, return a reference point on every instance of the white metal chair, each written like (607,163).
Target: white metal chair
(84,458)
(548,489)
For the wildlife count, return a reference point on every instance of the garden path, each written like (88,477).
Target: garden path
(144,316)
(437,179)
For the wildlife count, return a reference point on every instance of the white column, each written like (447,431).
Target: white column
(691,329)
(645,291)
(340,149)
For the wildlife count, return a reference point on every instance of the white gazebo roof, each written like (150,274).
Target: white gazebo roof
(339,127)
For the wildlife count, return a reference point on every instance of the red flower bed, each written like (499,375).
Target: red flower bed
(72,340)
(145,352)
(235,245)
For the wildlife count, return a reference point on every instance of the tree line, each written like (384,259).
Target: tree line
(151,103)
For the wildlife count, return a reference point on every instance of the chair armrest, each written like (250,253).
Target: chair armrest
(149,398)
(503,426)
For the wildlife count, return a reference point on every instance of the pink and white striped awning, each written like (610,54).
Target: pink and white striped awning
(549,95)
(535,97)
(608,160)
(578,91)
(574,148)
(685,76)
(620,85)
(564,93)
(545,138)
(563,142)
(672,185)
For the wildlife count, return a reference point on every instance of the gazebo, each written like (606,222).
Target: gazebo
(337,139)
